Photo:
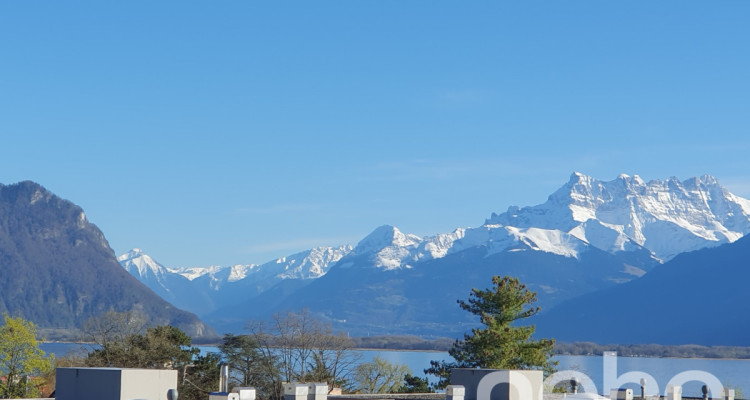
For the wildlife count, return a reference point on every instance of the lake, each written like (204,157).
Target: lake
(733,373)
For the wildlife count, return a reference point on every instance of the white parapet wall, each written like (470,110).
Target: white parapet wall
(296,391)
(455,392)
(674,392)
(113,383)
(245,393)
(317,391)
(621,394)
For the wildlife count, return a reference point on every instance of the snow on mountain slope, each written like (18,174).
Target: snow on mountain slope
(215,276)
(621,217)
(666,217)
(308,264)
(172,287)
(500,238)
(389,248)
(193,273)
(626,214)
(137,260)
(142,266)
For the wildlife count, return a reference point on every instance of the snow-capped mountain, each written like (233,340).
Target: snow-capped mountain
(203,289)
(143,267)
(389,248)
(588,235)
(626,214)
(171,286)
(309,264)
(667,217)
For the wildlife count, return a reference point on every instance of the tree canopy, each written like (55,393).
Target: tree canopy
(159,347)
(248,365)
(500,343)
(292,347)
(22,362)
(299,347)
(122,341)
(379,376)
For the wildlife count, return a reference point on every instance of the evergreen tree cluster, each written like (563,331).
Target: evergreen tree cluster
(500,343)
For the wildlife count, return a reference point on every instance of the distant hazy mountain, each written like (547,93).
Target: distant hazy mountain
(172,287)
(203,290)
(700,297)
(589,235)
(58,270)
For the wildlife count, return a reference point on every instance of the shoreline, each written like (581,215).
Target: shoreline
(619,354)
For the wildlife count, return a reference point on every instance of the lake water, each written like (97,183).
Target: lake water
(733,373)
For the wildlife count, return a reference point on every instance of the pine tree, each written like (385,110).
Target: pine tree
(500,343)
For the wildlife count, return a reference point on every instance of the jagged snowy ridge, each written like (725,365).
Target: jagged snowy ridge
(304,265)
(666,217)
(626,214)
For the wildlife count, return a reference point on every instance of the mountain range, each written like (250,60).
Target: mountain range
(589,235)
(203,290)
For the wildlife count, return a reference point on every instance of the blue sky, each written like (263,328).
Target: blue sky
(237,131)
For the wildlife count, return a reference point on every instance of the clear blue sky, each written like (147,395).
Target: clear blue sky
(240,131)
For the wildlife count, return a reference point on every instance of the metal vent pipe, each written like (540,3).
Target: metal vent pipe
(224,378)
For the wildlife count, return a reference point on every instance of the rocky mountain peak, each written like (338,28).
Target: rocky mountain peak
(386,236)
(141,264)
(614,215)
